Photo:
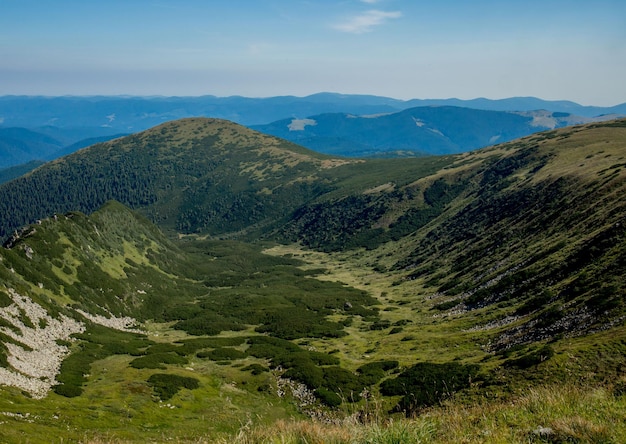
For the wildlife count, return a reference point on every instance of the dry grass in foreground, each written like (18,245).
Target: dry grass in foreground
(565,414)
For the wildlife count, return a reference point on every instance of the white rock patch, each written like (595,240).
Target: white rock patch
(35,367)
(126,323)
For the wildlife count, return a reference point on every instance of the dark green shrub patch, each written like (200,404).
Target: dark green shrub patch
(4,359)
(343,382)
(328,397)
(294,323)
(427,384)
(549,316)
(157,360)
(609,297)
(322,358)
(166,385)
(314,369)
(535,303)
(446,305)
(256,369)
(531,359)
(373,372)
(306,372)
(75,367)
(274,349)
(208,323)
(166,348)
(181,312)
(5,300)
(191,346)
(96,343)
(380,325)
(222,354)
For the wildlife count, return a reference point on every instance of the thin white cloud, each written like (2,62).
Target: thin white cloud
(366,21)
(371,2)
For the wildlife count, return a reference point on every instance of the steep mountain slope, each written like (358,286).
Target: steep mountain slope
(534,228)
(422,130)
(191,176)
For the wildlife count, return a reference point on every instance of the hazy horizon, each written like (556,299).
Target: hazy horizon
(553,50)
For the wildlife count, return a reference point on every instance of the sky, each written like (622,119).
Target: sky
(551,49)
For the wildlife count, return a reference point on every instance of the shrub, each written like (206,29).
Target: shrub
(157,360)
(255,369)
(5,300)
(166,385)
(535,303)
(222,354)
(274,349)
(446,305)
(373,372)
(328,397)
(549,317)
(68,390)
(380,325)
(531,359)
(190,346)
(427,384)
(75,367)
(306,372)
(340,380)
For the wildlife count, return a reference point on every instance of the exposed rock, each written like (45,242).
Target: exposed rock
(35,355)
(125,323)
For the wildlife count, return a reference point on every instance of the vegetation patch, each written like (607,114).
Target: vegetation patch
(95,344)
(222,354)
(158,360)
(166,385)
(426,384)
(531,359)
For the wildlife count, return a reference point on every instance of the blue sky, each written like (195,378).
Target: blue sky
(553,49)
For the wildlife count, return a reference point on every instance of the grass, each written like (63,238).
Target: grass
(551,414)
(118,405)
(434,339)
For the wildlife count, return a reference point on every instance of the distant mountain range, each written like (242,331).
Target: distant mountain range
(124,114)
(421,130)
(45,128)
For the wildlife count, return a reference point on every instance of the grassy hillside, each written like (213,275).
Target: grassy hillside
(407,300)
(534,228)
(192,176)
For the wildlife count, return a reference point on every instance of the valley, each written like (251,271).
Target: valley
(221,285)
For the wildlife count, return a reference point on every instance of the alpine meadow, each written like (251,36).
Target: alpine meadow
(200,281)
